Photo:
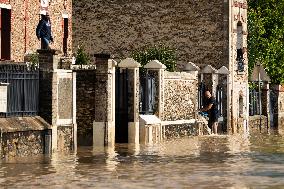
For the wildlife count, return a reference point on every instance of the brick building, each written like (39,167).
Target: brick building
(19,20)
(203,32)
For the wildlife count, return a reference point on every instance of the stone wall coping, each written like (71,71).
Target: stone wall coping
(257,117)
(155,64)
(223,70)
(149,119)
(180,75)
(179,122)
(190,66)
(62,71)
(16,124)
(83,67)
(4,84)
(49,51)
(129,63)
(209,69)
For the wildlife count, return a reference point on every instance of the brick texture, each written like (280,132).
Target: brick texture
(25,17)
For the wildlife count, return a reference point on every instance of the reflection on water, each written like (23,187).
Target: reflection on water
(194,162)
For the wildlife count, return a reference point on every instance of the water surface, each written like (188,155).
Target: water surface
(193,162)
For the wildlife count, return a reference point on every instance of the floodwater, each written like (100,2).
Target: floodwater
(194,162)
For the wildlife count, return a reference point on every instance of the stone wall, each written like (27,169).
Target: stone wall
(25,143)
(23,136)
(195,28)
(180,96)
(256,121)
(65,138)
(180,130)
(85,87)
(25,17)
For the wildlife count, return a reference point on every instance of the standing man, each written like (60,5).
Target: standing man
(211,108)
(43,31)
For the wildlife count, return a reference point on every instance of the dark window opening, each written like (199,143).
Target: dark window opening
(5,32)
(65,35)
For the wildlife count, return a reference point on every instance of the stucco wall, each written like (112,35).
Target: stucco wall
(180,96)
(25,17)
(195,28)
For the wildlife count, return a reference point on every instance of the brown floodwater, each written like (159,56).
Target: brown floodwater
(194,162)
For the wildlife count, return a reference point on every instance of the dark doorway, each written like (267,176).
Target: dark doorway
(65,35)
(5,34)
(121,106)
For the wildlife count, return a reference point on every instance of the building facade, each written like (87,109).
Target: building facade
(19,20)
(203,32)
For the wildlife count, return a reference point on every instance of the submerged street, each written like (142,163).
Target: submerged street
(233,161)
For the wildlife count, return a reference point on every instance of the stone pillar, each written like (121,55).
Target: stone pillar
(223,78)
(193,69)
(133,117)
(157,69)
(57,100)
(104,124)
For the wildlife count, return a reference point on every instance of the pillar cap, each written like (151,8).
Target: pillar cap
(48,51)
(223,70)
(190,66)
(155,64)
(129,63)
(208,70)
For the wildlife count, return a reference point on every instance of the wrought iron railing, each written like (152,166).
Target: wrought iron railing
(23,89)
(253,102)
(147,94)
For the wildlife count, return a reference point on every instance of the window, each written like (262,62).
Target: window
(5,33)
(65,35)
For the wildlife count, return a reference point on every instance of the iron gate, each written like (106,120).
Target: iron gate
(23,89)
(121,105)
(147,94)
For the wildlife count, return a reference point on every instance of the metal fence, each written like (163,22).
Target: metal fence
(253,102)
(147,94)
(219,97)
(201,97)
(23,89)
(219,100)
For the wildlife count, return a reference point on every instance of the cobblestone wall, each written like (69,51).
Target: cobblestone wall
(195,28)
(25,17)
(65,138)
(25,143)
(85,87)
(180,96)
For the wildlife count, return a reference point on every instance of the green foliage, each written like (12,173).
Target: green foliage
(81,57)
(32,61)
(266,37)
(164,54)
